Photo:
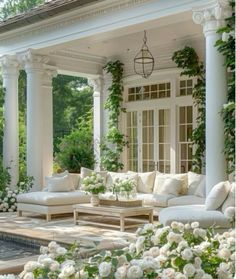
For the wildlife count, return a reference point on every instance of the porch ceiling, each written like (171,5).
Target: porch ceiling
(165,35)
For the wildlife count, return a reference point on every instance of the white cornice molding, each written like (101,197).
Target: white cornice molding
(71,17)
(212,15)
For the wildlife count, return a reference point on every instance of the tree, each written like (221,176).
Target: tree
(15,7)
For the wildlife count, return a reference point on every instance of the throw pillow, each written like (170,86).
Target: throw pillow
(217,195)
(172,186)
(230,199)
(194,181)
(112,176)
(160,179)
(59,184)
(62,174)
(145,181)
(201,189)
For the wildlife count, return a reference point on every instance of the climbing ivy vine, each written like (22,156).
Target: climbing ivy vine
(114,142)
(188,60)
(226,46)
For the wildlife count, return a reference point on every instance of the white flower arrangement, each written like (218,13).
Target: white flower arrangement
(172,252)
(94,184)
(125,188)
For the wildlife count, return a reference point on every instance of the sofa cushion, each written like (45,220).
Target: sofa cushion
(193,213)
(160,180)
(145,181)
(217,195)
(53,198)
(172,186)
(201,189)
(113,176)
(154,199)
(59,182)
(75,178)
(230,200)
(194,180)
(186,200)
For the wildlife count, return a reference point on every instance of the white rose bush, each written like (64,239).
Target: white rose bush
(8,200)
(173,252)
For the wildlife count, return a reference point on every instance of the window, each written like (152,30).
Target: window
(185,132)
(148,92)
(185,87)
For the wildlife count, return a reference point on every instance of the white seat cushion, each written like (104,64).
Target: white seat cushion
(186,200)
(193,213)
(53,198)
(154,199)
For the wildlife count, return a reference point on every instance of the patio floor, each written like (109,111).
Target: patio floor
(61,229)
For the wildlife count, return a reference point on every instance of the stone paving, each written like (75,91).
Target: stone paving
(63,230)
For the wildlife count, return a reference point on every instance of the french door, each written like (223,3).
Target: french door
(149,133)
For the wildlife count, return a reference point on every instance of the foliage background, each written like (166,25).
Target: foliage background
(72,100)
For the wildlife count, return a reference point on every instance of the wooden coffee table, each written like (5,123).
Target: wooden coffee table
(111,211)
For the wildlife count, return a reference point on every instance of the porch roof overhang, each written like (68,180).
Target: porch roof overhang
(80,40)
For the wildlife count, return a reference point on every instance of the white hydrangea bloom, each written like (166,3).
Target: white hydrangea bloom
(189,270)
(134,272)
(104,269)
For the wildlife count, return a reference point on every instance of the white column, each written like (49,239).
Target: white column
(34,66)
(212,17)
(10,73)
(47,99)
(97,85)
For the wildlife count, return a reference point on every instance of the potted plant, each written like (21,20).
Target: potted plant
(95,185)
(124,189)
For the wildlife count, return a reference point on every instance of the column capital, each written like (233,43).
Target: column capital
(212,16)
(9,65)
(97,84)
(49,73)
(33,61)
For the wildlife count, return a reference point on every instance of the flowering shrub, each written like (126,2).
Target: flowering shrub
(8,201)
(173,252)
(94,184)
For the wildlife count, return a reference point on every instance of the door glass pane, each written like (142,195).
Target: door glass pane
(132,132)
(148,140)
(185,133)
(164,140)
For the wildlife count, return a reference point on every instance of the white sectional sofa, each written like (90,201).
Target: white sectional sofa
(151,188)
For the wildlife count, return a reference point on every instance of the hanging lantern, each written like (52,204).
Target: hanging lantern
(144,61)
